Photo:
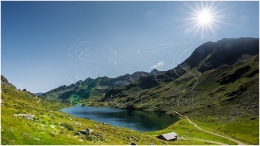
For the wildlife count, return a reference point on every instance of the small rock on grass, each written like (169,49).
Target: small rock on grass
(37,139)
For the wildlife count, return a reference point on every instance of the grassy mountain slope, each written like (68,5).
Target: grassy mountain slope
(219,96)
(218,84)
(47,128)
(50,126)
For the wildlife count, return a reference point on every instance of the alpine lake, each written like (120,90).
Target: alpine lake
(133,119)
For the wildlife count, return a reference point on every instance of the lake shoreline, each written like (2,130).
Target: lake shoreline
(137,120)
(97,104)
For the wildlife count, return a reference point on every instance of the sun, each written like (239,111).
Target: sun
(204,17)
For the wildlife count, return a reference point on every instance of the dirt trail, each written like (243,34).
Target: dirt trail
(234,140)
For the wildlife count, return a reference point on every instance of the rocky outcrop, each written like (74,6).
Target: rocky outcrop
(154,72)
(27,116)
(5,82)
(85,132)
(225,79)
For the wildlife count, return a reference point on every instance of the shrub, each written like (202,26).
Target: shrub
(68,126)
(89,138)
(63,132)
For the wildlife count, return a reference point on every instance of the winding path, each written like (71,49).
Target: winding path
(234,140)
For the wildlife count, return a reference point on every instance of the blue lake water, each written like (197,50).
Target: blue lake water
(133,119)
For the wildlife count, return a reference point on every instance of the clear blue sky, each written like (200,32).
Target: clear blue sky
(48,44)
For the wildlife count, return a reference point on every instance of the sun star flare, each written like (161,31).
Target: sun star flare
(204,19)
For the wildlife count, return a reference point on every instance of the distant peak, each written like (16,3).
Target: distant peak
(154,72)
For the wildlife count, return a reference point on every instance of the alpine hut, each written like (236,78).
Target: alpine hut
(168,136)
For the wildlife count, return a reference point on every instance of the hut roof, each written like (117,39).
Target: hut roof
(169,136)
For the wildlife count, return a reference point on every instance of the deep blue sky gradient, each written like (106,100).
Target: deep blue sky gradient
(37,37)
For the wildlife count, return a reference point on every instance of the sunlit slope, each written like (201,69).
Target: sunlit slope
(213,85)
(226,87)
(47,125)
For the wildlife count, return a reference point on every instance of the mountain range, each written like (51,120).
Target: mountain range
(92,87)
(216,73)
(208,56)
(218,83)
(217,86)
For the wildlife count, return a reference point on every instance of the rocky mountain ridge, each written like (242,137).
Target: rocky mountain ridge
(218,76)
(92,87)
(206,57)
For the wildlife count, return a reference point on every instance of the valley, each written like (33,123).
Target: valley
(48,125)
(214,94)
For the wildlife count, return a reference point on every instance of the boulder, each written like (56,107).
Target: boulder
(85,132)
(82,132)
(27,116)
(89,130)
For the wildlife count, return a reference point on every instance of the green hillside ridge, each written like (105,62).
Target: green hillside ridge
(211,86)
(91,87)
(44,124)
(47,127)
